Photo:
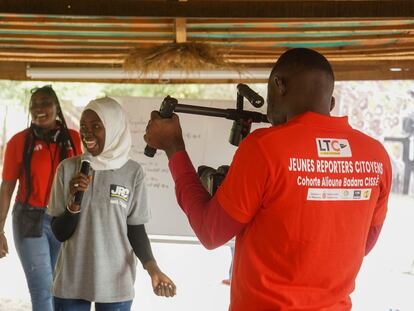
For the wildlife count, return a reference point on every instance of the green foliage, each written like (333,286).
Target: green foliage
(19,92)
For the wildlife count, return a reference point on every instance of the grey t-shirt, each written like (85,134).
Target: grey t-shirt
(97,262)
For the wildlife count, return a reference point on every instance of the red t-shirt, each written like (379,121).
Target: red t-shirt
(308,191)
(45,160)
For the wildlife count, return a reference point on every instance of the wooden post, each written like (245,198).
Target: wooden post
(180,28)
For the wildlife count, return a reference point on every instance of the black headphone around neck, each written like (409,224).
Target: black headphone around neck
(51,136)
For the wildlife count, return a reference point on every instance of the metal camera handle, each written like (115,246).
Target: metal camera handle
(166,111)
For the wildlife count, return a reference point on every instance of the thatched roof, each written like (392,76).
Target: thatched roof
(362,39)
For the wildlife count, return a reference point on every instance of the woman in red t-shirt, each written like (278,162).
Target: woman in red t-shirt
(31,157)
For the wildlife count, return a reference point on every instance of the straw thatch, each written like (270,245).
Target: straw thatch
(187,57)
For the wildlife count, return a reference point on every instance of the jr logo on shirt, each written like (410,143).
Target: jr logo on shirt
(333,147)
(119,192)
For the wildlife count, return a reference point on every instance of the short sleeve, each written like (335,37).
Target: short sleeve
(12,164)
(58,195)
(139,212)
(242,191)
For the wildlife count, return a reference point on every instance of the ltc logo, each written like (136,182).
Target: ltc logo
(119,192)
(333,147)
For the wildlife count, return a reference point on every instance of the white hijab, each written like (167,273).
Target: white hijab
(117,135)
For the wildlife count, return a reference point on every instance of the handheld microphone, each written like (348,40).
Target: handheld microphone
(255,99)
(85,166)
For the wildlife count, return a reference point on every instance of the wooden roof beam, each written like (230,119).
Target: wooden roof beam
(13,70)
(215,8)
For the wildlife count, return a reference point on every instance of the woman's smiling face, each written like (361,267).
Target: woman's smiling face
(43,110)
(92,132)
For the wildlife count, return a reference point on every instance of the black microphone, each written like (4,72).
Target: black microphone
(255,99)
(85,166)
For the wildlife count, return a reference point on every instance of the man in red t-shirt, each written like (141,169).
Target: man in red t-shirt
(305,198)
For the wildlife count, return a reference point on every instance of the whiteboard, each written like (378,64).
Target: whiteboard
(206,140)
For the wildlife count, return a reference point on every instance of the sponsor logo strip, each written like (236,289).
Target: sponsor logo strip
(325,194)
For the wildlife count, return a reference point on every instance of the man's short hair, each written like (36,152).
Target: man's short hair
(302,59)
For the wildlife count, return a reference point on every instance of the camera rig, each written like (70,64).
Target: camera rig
(242,121)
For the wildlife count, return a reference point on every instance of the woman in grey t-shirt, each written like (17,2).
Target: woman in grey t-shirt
(102,235)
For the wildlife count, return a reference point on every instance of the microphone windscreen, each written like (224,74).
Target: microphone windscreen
(86,157)
(85,163)
(254,98)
